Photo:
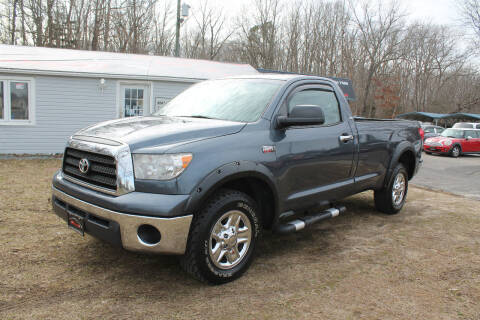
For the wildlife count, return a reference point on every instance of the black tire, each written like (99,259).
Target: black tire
(384,201)
(197,260)
(428,152)
(456,151)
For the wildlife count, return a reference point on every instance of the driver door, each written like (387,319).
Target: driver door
(315,163)
(474,141)
(468,145)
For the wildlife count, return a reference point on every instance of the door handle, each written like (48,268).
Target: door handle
(346,138)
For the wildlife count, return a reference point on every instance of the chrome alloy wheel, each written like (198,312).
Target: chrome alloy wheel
(230,239)
(398,189)
(455,151)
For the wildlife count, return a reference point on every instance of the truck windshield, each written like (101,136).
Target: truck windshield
(452,133)
(242,100)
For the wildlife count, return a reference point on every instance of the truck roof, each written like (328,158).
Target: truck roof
(345,84)
(278,76)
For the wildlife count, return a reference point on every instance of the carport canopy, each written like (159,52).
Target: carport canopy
(462,115)
(423,116)
(434,117)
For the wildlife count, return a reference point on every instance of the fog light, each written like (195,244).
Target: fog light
(148,235)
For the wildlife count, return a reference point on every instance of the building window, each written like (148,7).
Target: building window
(15,101)
(133,102)
(134,99)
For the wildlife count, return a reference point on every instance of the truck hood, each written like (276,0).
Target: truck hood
(160,132)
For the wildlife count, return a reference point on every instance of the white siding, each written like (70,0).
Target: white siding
(63,106)
(167,90)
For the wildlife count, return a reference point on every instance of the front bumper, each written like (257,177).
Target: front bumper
(436,149)
(121,228)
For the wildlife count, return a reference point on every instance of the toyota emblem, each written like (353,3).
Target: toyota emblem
(83,165)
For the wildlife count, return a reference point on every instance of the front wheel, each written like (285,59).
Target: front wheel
(390,200)
(456,151)
(222,238)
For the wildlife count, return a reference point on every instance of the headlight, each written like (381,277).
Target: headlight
(428,140)
(447,142)
(160,166)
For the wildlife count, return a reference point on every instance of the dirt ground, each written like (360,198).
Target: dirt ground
(423,263)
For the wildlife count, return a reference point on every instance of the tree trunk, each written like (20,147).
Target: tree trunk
(24,33)
(14,20)
(50,23)
(96,26)
(371,72)
(106,31)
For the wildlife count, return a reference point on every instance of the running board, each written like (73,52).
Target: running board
(301,223)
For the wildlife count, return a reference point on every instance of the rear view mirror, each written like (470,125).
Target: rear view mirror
(302,115)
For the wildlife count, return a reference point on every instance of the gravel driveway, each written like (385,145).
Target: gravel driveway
(455,175)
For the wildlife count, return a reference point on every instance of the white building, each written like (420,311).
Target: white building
(47,94)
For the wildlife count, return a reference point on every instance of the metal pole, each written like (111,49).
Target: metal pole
(177,36)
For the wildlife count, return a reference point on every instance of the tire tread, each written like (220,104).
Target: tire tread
(188,261)
(383,197)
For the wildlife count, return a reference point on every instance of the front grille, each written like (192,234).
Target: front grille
(435,144)
(102,171)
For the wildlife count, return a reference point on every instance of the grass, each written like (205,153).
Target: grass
(423,263)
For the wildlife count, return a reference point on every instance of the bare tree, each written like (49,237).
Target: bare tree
(470,10)
(209,34)
(132,20)
(162,36)
(260,34)
(381,38)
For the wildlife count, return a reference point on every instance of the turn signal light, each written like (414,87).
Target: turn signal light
(186,160)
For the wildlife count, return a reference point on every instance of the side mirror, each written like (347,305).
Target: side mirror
(469,137)
(302,115)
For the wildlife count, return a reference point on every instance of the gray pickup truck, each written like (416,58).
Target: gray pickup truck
(225,160)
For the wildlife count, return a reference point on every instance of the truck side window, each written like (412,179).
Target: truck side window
(324,99)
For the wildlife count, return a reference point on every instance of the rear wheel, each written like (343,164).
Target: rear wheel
(390,200)
(222,238)
(456,151)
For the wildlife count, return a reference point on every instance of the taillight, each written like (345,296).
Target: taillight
(421,132)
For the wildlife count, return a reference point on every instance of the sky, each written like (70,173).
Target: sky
(435,11)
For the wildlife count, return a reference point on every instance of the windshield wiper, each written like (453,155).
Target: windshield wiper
(196,116)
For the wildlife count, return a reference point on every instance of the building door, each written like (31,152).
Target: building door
(134,100)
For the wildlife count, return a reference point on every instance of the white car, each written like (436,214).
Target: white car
(466,125)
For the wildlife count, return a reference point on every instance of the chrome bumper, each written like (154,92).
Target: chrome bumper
(174,231)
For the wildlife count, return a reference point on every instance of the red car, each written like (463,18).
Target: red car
(454,142)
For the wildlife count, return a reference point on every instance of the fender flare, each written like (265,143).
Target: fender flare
(398,152)
(228,172)
(456,144)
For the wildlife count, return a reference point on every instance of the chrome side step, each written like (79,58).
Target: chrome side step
(301,223)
